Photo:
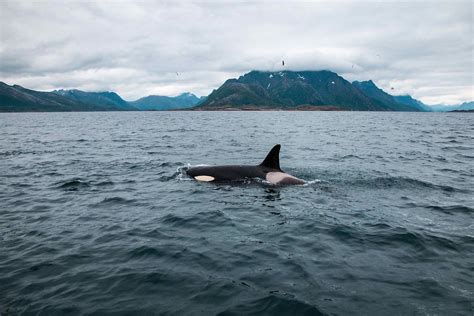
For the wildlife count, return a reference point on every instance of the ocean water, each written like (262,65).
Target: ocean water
(96,216)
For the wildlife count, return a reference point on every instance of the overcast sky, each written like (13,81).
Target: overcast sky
(139,48)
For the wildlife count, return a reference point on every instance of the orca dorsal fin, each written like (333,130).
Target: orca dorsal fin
(273,158)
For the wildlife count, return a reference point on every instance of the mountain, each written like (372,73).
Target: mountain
(296,90)
(18,99)
(403,103)
(466,106)
(408,100)
(256,90)
(162,103)
(105,100)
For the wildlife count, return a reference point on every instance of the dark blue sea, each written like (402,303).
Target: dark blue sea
(96,216)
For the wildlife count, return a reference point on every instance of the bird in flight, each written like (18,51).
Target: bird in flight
(283,63)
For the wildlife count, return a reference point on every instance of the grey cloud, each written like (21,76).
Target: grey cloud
(135,48)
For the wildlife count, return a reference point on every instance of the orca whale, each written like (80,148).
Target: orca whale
(268,170)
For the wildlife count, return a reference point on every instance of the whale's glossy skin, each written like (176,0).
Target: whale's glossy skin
(268,170)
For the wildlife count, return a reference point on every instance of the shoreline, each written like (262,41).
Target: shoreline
(235,110)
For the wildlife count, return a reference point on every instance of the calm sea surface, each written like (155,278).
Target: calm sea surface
(97,218)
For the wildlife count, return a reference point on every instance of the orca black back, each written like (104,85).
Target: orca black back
(268,170)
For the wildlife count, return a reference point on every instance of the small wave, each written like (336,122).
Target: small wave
(400,235)
(173,220)
(208,219)
(384,235)
(10,153)
(459,147)
(115,200)
(449,209)
(169,177)
(180,130)
(154,233)
(429,287)
(312,182)
(350,157)
(402,182)
(170,164)
(105,183)
(73,184)
(273,305)
(307,149)
(464,156)
(76,184)
(144,251)
(181,174)
(42,266)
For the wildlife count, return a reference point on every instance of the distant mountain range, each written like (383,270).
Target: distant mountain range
(103,100)
(18,99)
(408,100)
(466,106)
(161,103)
(256,90)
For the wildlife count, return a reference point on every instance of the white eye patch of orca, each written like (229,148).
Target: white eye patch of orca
(204,178)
